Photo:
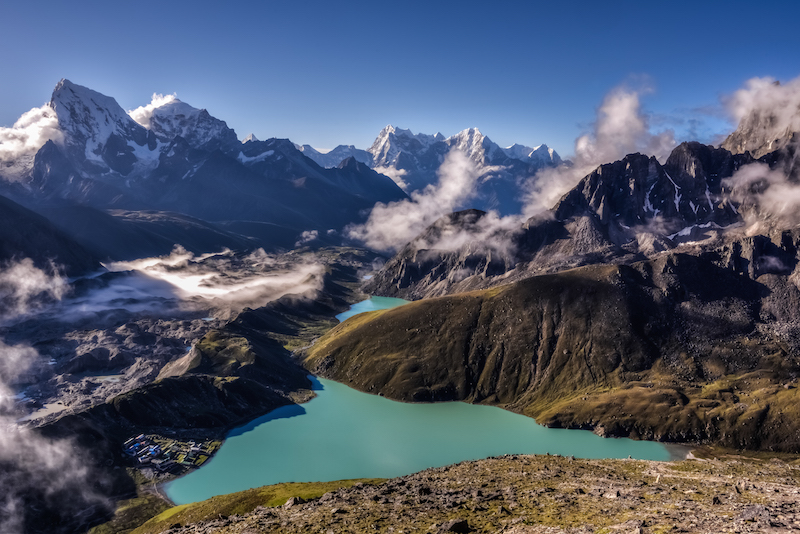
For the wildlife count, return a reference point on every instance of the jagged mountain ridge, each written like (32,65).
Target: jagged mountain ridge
(412,160)
(182,159)
(771,122)
(621,212)
(334,157)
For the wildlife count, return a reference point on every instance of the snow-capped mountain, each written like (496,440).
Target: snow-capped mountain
(412,160)
(171,156)
(334,157)
(98,135)
(404,150)
(477,147)
(392,144)
(542,154)
(167,117)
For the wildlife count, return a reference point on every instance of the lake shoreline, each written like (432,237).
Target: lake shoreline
(670,452)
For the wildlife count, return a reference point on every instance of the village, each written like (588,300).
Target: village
(165,455)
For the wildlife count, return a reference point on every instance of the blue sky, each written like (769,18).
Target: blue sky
(328,73)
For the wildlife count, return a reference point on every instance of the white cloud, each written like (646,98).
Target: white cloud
(396,175)
(390,226)
(490,233)
(621,128)
(33,129)
(225,282)
(143,114)
(766,197)
(766,95)
(32,466)
(306,237)
(24,288)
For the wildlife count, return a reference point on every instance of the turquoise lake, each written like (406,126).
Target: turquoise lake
(343,433)
(371,304)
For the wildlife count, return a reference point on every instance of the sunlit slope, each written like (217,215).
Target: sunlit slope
(674,348)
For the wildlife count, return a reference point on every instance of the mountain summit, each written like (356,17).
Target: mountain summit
(167,117)
(171,156)
(98,134)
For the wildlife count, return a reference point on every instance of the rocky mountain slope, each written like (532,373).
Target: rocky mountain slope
(527,495)
(183,377)
(770,118)
(665,314)
(623,211)
(127,235)
(25,234)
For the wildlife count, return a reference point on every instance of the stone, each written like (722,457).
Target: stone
(455,525)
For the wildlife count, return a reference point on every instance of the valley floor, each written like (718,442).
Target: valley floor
(539,494)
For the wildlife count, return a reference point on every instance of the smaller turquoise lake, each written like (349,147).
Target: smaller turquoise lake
(343,433)
(371,304)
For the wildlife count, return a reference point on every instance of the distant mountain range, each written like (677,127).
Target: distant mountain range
(93,161)
(172,157)
(412,160)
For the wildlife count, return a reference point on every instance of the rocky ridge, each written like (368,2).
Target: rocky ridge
(538,495)
(624,211)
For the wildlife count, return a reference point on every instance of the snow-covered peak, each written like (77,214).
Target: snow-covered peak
(90,118)
(475,145)
(470,136)
(251,137)
(168,117)
(308,150)
(520,152)
(332,158)
(542,154)
(545,154)
(392,141)
(144,114)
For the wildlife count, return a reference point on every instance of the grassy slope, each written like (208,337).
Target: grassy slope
(667,349)
(243,502)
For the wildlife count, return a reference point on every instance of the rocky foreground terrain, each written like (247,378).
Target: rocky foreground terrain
(539,494)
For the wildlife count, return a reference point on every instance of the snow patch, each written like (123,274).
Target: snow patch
(261,157)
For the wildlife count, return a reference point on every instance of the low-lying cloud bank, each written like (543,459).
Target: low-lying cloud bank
(766,197)
(40,477)
(225,282)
